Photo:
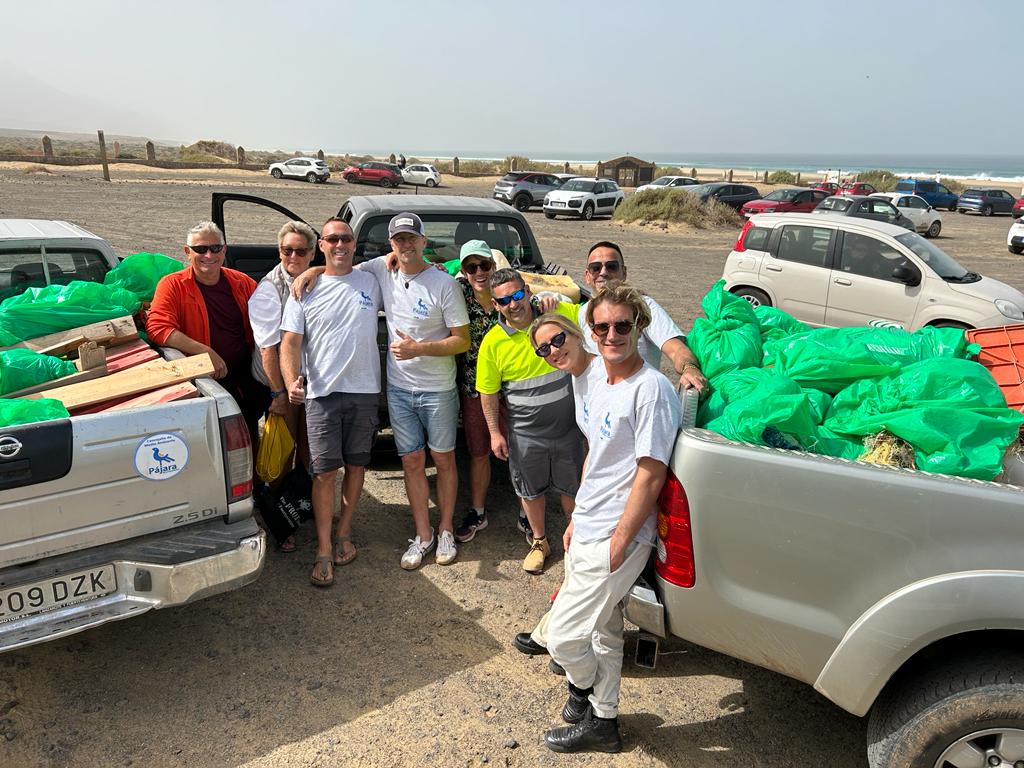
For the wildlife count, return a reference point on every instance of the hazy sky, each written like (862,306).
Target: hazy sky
(528,77)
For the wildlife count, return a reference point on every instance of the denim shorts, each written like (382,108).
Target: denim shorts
(423,419)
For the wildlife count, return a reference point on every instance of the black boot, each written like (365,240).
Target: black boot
(556,668)
(577,704)
(524,644)
(592,734)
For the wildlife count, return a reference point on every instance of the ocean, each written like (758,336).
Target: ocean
(996,168)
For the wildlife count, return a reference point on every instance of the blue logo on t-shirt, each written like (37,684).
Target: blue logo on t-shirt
(365,300)
(586,414)
(606,428)
(421,308)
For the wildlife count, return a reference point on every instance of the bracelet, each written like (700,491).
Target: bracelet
(690,365)
(276,393)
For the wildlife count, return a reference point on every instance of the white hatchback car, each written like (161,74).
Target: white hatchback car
(427,175)
(584,197)
(844,271)
(1015,237)
(669,182)
(926,219)
(308,168)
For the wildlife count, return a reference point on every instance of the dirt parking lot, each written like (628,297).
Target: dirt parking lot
(391,667)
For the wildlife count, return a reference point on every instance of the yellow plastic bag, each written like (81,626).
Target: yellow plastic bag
(276,448)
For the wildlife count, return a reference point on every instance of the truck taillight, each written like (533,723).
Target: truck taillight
(739,247)
(237,457)
(675,562)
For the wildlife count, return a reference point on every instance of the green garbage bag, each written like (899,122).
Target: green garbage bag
(18,411)
(23,368)
(40,311)
(140,272)
(951,411)
(729,337)
(831,359)
(453,266)
(776,324)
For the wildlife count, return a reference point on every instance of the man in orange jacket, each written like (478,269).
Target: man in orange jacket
(205,308)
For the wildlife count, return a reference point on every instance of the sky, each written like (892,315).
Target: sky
(530,78)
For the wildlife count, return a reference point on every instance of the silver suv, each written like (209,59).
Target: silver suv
(525,189)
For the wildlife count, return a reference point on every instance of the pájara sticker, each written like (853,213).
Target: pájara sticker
(161,456)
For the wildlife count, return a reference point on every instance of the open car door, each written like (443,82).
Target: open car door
(250,226)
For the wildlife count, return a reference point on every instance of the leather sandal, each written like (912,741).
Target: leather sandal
(323,572)
(340,556)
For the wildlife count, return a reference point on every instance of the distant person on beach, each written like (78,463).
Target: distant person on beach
(401,162)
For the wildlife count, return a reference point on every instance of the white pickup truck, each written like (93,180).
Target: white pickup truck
(91,530)
(896,593)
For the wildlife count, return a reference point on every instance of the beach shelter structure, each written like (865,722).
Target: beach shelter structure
(627,171)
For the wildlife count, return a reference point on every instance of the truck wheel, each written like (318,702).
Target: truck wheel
(934,229)
(276,173)
(756,297)
(950,324)
(522,203)
(964,712)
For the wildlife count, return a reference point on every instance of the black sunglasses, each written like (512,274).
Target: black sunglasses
(481,266)
(297,251)
(202,249)
(543,350)
(609,266)
(622,327)
(506,300)
(335,239)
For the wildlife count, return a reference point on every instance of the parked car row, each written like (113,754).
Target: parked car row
(382,174)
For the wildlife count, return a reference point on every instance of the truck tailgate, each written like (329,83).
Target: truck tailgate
(132,473)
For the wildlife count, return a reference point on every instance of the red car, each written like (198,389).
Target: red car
(856,188)
(827,186)
(1018,208)
(385,174)
(793,199)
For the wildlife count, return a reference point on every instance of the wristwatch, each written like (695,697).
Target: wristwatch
(276,393)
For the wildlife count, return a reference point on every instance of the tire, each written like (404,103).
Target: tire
(952,207)
(986,210)
(522,203)
(276,173)
(755,296)
(1017,249)
(548,215)
(934,229)
(961,210)
(963,703)
(385,183)
(311,177)
(950,324)
(430,183)
(588,212)
(351,178)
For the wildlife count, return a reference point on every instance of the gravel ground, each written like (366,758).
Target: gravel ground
(390,667)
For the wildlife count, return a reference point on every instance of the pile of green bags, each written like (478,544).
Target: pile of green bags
(774,381)
(23,368)
(17,411)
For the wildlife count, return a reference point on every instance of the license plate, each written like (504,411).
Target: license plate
(58,592)
(556,204)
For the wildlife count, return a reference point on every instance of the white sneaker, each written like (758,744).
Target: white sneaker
(413,557)
(446,550)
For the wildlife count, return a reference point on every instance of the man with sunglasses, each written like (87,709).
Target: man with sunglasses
(543,447)
(333,329)
(205,308)
(631,421)
(605,262)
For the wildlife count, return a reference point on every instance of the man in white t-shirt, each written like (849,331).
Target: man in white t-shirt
(333,331)
(427,326)
(631,424)
(605,262)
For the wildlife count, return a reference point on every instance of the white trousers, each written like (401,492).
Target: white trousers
(584,632)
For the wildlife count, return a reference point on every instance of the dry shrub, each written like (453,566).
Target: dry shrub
(676,206)
(36,168)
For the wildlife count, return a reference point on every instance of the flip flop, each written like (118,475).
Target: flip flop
(340,557)
(288,545)
(320,569)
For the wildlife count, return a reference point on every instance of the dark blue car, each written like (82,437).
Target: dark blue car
(935,194)
(986,201)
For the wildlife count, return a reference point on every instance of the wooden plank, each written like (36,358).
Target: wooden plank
(46,386)
(138,357)
(63,347)
(115,353)
(134,381)
(183,391)
(109,333)
(91,356)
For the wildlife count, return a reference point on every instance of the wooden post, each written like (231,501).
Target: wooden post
(766,177)
(455,166)
(150,152)
(103,157)
(240,156)
(798,178)
(693,172)
(47,149)
(728,176)
(320,155)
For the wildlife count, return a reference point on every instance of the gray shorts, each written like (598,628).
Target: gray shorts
(341,427)
(537,464)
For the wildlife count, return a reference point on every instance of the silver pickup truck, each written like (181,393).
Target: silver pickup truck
(91,531)
(897,594)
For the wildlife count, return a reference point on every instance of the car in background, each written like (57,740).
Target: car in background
(733,195)
(383,174)
(668,182)
(826,186)
(864,208)
(986,201)
(796,199)
(1015,237)
(937,195)
(308,168)
(926,219)
(584,197)
(856,188)
(831,271)
(525,189)
(1018,208)
(419,174)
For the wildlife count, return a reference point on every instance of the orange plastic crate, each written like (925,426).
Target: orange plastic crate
(1002,352)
